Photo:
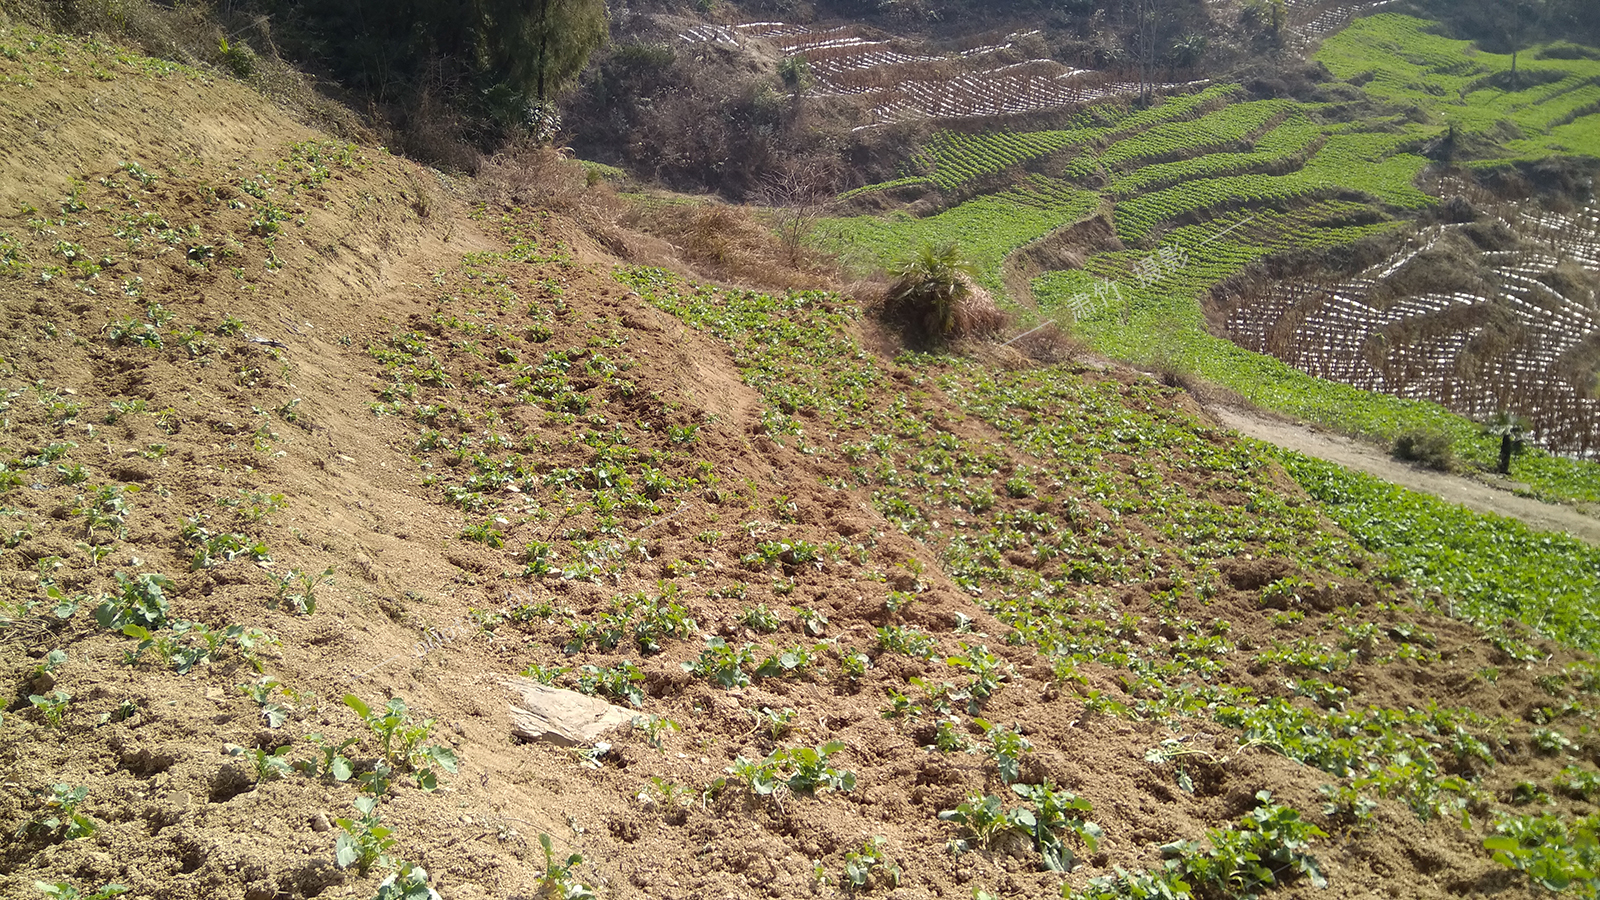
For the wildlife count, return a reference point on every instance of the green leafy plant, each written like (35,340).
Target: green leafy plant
(104,508)
(1270,847)
(793,661)
(142,602)
(558,882)
(264,765)
(987,671)
(60,817)
(47,667)
(656,729)
(365,840)
(981,816)
(798,770)
(1005,749)
(52,706)
(408,882)
(1578,782)
(721,663)
(907,640)
(812,621)
(869,867)
(401,739)
(900,706)
(1051,814)
(297,590)
(760,618)
(484,533)
(263,692)
(333,763)
(778,725)
(1555,854)
(620,682)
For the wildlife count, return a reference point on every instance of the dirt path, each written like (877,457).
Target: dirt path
(1364,457)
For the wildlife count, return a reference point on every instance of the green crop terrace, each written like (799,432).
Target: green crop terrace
(1201,186)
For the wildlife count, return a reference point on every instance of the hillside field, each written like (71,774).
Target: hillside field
(307,451)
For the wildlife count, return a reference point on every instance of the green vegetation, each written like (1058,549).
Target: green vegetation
(794,770)
(59,816)
(1270,847)
(401,738)
(988,228)
(364,841)
(932,291)
(1486,567)
(558,880)
(1201,187)
(1553,109)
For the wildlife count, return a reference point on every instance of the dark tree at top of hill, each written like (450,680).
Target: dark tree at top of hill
(500,58)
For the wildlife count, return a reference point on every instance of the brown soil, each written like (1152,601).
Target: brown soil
(210,426)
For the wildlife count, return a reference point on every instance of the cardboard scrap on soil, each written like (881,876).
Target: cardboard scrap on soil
(565,718)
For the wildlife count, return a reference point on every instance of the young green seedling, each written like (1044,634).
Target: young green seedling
(365,840)
(60,817)
(558,881)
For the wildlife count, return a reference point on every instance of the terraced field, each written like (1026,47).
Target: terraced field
(1550,110)
(1203,186)
(901,83)
(1520,343)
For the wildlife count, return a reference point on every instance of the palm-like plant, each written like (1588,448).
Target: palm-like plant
(930,287)
(1509,428)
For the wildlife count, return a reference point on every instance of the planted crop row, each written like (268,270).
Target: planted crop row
(1347,162)
(988,228)
(1287,141)
(952,158)
(1473,90)
(1487,567)
(1232,124)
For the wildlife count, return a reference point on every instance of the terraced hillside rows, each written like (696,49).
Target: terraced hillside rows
(1202,187)
(1518,342)
(1552,108)
(902,82)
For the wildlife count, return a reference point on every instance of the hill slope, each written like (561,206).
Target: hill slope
(300,420)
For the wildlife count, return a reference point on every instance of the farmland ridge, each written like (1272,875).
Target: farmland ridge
(314,460)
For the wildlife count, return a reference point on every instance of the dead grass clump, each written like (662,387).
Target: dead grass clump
(1426,448)
(935,299)
(970,313)
(1050,345)
(726,243)
(432,129)
(977,315)
(1573,281)
(524,173)
(1207,393)
(529,175)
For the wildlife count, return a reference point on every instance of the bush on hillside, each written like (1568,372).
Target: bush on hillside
(1426,448)
(936,298)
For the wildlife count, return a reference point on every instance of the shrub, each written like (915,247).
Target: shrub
(936,298)
(1428,448)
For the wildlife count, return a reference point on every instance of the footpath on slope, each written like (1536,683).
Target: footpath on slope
(1364,457)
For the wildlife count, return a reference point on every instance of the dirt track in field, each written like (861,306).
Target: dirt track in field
(1486,497)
